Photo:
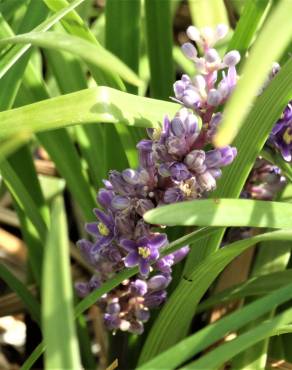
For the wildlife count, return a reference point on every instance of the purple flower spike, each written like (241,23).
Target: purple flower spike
(143,252)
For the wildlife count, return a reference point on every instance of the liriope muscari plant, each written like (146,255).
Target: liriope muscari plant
(177,163)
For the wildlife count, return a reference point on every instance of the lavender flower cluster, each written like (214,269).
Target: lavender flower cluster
(174,165)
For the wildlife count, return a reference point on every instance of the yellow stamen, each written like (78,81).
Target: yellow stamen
(287,137)
(156,133)
(103,230)
(188,188)
(144,251)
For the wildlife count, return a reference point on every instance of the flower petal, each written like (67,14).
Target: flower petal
(129,245)
(132,259)
(91,228)
(158,241)
(104,218)
(144,267)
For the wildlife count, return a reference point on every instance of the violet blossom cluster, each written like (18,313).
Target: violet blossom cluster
(174,165)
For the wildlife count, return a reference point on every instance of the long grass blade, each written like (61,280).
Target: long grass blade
(57,296)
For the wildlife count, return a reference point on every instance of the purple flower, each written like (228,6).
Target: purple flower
(281,135)
(143,251)
(103,230)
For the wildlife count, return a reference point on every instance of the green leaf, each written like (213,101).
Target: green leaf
(255,286)
(175,317)
(10,58)
(23,197)
(208,13)
(223,212)
(100,104)
(21,290)
(256,71)
(205,337)
(57,296)
(253,13)
(37,352)
(225,352)
(159,45)
(92,53)
(123,39)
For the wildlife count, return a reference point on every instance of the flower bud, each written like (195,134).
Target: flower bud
(130,176)
(112,322)
(155,299)
(94,282)
(214,98)
(158,282)
(142,314)
(191,97)
(195,161)
(231,58)
(221,31)
(176,146)
(179,171)
(208,35)
(119,202)
(136,327)
(163,170)
(177,127)
(199,83)
(206,181)
(105,197)
(180,254)
(113,307)
(82,289)
(139,287)
(189,50)
(143,205)
(193,33)
(212,56)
